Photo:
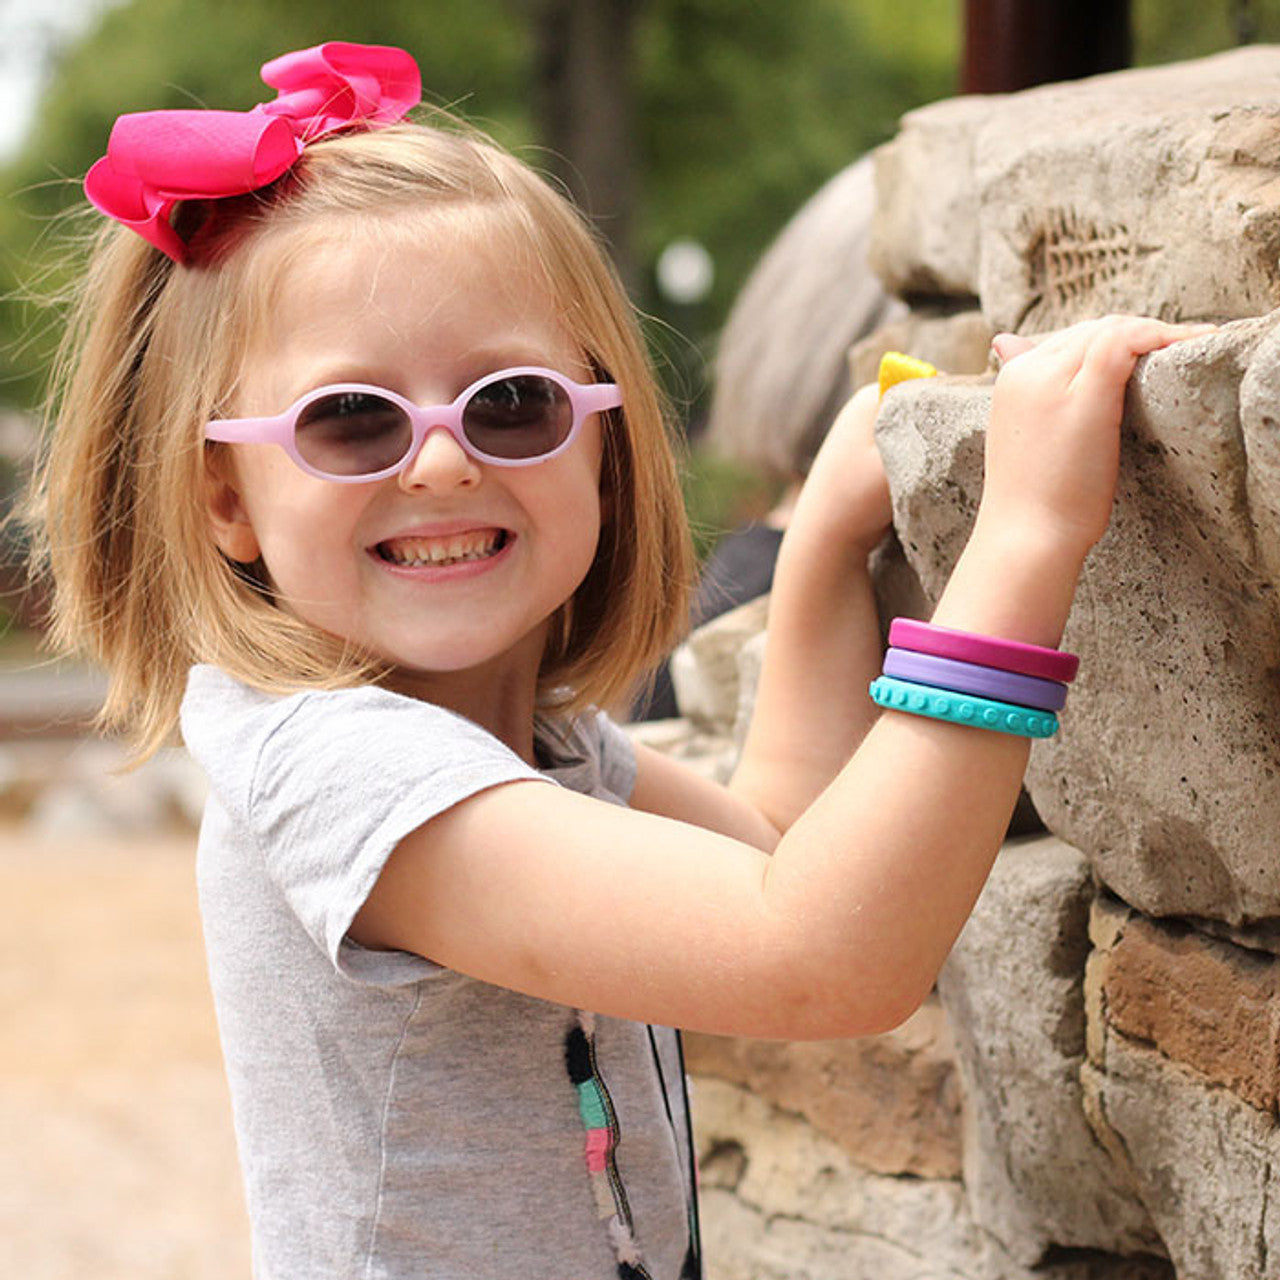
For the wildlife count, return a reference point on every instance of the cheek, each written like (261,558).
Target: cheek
(585,510)
(588,546)
(300,524)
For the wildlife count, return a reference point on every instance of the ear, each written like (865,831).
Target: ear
(228,519)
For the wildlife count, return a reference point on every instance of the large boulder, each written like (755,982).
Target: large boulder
(1181,1086)
(1155,191)
(1035,1173)
(1164,773)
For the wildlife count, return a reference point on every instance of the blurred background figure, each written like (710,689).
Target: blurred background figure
(781,374)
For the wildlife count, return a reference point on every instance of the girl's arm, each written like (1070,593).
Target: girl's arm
(823,650)
(843,929)
(823,646)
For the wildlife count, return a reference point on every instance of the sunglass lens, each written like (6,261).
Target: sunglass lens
(353,433)
(521,416)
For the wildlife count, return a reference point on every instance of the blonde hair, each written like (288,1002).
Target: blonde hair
(153,350)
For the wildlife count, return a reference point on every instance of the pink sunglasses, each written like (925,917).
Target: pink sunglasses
(352,433)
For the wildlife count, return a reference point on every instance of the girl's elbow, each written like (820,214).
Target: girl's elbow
(831,1008)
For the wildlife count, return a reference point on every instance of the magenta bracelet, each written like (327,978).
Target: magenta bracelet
(969,677)
(986,651)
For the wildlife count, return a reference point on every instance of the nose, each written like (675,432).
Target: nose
(441,464)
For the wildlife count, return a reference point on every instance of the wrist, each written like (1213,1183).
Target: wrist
(1014,583)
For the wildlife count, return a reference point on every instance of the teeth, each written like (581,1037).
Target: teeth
(456,549)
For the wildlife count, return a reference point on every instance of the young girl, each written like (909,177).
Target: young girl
(359,464)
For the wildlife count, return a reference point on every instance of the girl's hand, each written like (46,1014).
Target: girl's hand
(846,494)
(1053,445)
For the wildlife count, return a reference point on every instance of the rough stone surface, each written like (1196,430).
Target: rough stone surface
(780,1202)
(1154,191)
(1260,430)
(959,343)
(1207,1165)
(890,1102)
(1202,1002)
(1165,771)
(925,236)
(1035,1174)
(704,669)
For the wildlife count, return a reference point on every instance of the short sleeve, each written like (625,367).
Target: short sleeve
(326,784)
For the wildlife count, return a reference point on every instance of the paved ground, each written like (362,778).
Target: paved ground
(118,1158)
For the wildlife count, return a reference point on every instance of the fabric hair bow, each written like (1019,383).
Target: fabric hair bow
(157,158)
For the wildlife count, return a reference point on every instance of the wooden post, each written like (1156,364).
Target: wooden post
(585,104)
(1014,44)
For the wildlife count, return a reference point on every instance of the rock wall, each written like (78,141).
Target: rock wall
(1095,1091)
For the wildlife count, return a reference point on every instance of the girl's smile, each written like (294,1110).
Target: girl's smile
(440,551)
(453,564)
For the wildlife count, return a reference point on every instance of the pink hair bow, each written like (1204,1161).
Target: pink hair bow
(157,158)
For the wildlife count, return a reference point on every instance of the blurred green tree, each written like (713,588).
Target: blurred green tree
(1174,30)
(152,54)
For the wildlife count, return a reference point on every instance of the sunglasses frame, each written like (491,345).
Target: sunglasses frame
(584,400)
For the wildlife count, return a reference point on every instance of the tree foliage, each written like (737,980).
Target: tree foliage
(1175,30)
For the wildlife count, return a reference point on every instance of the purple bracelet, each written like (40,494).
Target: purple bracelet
(969,677)
(985,651)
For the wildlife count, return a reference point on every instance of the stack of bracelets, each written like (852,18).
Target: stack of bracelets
(974,680)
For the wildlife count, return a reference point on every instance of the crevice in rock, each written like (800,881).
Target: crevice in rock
(1096,1263)
(723,1165)
(1201,1079)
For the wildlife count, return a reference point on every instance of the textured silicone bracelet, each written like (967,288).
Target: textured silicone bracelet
(969,677)
(988,651)
(962,708)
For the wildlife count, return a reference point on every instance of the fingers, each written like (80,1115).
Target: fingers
(1005,346)
(1117,343)
(1132,335)
(1094,357)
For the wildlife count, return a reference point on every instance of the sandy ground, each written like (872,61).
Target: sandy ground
(118,1156)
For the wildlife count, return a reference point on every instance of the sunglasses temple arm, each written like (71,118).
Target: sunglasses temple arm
(599,396)
(245,430)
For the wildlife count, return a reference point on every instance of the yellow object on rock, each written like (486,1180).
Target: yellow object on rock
(896,367)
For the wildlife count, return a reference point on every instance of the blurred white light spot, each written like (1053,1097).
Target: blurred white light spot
(685,272)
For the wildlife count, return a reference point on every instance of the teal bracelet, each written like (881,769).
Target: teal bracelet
(962,708)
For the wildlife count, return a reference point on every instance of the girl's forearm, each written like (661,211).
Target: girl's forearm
(929,801)
(812,708)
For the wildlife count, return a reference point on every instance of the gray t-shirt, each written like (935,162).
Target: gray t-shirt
(395,1118)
